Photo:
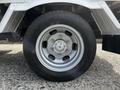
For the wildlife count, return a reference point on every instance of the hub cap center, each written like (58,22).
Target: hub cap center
(60,46)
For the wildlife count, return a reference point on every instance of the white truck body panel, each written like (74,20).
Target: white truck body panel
(102,14)
(31,3)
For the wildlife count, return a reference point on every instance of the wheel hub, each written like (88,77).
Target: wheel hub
(60,46)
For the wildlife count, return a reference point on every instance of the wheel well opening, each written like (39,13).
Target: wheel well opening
(35,12)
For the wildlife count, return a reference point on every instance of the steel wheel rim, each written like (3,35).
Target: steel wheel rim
(59,48)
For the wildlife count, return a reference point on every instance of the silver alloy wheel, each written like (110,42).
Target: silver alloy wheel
(59,48)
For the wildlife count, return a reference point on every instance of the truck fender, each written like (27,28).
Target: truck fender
(31,3)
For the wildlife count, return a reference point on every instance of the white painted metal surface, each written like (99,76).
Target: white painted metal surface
(31,3)
(102,14)
(106,20)
(27,4)
(11,20)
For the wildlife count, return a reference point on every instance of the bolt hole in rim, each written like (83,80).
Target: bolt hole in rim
(59,47)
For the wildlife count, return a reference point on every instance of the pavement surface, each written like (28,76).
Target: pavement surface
(104,74)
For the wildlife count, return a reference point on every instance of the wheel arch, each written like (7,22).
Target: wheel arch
(31,4)
(77,9)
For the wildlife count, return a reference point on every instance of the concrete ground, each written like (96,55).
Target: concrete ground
(104,74)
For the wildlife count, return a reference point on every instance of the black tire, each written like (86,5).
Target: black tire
(59,17)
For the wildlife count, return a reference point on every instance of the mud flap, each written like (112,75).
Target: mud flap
(111,43)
